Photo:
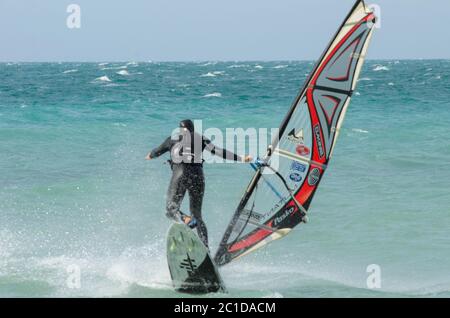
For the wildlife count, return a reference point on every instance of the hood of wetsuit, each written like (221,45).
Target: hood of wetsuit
(188,124)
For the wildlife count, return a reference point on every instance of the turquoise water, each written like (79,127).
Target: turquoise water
(75,190)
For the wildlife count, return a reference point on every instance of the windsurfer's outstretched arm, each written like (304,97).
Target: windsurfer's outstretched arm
(225,154)
(161,149)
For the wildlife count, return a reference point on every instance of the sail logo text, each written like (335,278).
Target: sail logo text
(283,216)
(319,140)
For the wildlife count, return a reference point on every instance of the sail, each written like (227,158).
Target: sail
(280,193)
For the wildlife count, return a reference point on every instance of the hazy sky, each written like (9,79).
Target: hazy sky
(168,30)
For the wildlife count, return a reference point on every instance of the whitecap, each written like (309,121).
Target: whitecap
(123,72)
(280,66)
(358,130)
(259,67)
(102,64)
(114,68)
(70,71)
(364,79)
(209,74)
(208,63)
(438,77)
(213,95)
(391,84)
(113,85)
(103,79)
(238,66)
(380,68)
(357,93)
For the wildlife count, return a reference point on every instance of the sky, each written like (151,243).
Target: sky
(201,30)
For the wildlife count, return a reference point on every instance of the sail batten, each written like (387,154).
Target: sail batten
(280,193)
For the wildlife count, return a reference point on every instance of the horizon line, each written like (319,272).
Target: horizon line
(211,61)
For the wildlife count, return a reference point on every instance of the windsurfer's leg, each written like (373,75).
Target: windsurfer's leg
(196,192)
(175,193)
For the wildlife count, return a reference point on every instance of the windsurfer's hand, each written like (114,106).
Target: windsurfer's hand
(148,157)
(248,159)
(187,219)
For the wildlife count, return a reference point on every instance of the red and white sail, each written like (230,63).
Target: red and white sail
(274,203)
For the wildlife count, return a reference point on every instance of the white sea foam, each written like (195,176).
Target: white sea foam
(378,68)
(259,67)
(280,66)
(213,95)
(364,79)
(208,64)
(114,85)
(391,84)
(123,72)
(102,64)
(209,74)
(358,130)
(122,67)
(103,79)
(70,71)
(238,66)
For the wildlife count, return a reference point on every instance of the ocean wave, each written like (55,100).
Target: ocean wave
(378,68)
(391,84)
(102,64)
(209,74)
(213,95)
(280,66)
(259,67)
(238,66)
(123,73)
(122,67)
(70,71)
(208,64)
(102,79)
(213,74)
(114,85)
(358,130)
(364,79)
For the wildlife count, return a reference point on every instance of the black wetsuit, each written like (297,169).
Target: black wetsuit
(187,176)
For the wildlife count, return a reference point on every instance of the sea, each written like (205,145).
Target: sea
(82,214)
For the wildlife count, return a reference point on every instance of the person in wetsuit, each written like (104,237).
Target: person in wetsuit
(187,173)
